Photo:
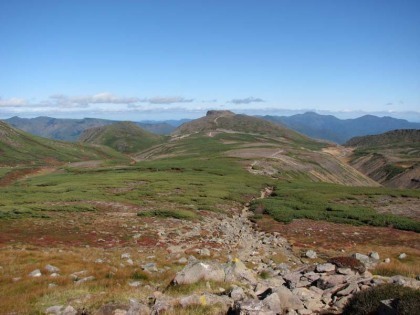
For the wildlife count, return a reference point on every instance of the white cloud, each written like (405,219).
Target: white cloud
(84,101)
(169,100)
(13,102)
(247,100)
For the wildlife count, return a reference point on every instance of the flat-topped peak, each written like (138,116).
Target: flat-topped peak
(220,113)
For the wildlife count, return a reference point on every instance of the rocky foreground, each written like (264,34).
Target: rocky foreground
(249,282)
(310,289)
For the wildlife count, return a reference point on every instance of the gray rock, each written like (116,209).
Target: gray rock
(237,294)
(362,258)
(196,271)
(288,300)
(314,305)
(134,284)
(252,307)
(60,310)
(137,308)
(182,261)
(83,280)
(402,256)
(325,267)
(237,271)
(161,306)
(311,254)
(304,294)
(125,256)
(272,302)
(52,269)
(374,255)
(387,260)
(351,288)
(54,310)
(204,252)
(292,279)
(330,281)
(76,275)
(36,273)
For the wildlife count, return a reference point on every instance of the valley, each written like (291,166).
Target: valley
(123,212)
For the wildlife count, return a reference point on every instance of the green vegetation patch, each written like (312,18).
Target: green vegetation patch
(176,214)
(323,201)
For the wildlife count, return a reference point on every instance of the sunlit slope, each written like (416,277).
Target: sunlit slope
(261,147)
(124,137)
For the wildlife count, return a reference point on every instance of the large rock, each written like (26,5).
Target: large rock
(252,307)
(287,299)
(237,271)
(328,267)
(197,271)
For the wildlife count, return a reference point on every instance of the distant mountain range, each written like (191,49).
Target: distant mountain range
(71,129)
(331,128)
(311,124)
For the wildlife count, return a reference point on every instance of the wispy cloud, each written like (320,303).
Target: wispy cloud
(13,102)
(247,100)
(169,100)
(84,101)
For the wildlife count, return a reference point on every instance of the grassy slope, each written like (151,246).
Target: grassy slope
(324,201)
(124,137)
(20,148)
(193,173)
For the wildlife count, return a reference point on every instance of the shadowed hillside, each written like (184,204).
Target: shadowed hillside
(124,137)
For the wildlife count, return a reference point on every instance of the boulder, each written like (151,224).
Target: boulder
(237,271)
(252,307)
(237,294)
(197,271)
(374,256)
(287,299)
(328,267)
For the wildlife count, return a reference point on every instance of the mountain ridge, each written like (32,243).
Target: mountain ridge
(331,128)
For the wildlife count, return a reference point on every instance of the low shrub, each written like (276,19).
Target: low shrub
(406,300)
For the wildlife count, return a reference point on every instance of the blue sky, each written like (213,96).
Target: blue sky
(169,59)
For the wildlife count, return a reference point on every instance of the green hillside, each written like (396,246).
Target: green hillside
(18,147)
(124,137)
